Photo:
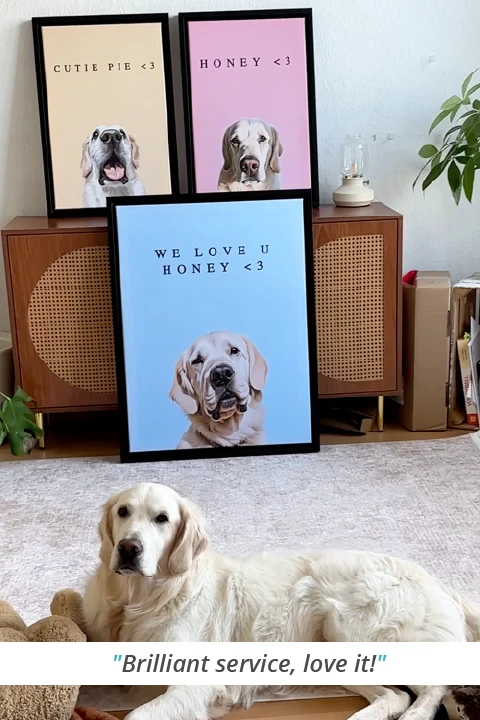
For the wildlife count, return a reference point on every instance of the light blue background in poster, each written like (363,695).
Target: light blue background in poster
(164,313)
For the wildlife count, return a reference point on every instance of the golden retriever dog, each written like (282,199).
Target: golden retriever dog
(251,157)
(218,382)
(158,581)
(109,164)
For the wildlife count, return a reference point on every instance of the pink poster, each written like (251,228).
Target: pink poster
(250,101)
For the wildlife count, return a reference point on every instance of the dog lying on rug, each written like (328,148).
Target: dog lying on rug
(157,581)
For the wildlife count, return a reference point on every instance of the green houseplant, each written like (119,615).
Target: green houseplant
(459,151)
(17,423)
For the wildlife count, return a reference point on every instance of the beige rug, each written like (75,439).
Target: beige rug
(419,500)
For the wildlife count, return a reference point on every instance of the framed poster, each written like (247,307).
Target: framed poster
(249,98)
(214,324)
(106,110)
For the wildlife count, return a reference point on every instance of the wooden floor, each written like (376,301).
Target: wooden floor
(96,434)
(325,709)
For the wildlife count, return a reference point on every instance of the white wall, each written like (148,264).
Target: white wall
(373,76)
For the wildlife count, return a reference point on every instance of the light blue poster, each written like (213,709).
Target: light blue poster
(214,320)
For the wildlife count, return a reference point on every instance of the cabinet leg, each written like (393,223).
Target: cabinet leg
(39,421)
(380,413)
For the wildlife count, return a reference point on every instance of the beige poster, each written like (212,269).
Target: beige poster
(107,112)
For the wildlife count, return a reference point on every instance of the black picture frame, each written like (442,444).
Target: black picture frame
(127,455)
(304,13)
(38,24)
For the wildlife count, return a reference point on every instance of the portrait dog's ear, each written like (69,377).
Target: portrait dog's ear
(276,151)
(182,391)
(86,162)
(105,531)
(227,148)
(135,152)
(191,539)
(258,367)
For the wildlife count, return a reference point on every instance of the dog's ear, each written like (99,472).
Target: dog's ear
(257,365)
(227,148)
(135,152)
(191,539)
(105,531)
(86,161)
(182,391)
(276,151)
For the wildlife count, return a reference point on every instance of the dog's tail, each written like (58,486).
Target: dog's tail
(471,610)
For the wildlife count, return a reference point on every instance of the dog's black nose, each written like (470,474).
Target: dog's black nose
(222,375)
(249,165)
(129,549)
(110,136)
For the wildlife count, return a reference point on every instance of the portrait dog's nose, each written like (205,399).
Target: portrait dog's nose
(129,549)
(110,136)
(249,165)
(222,375)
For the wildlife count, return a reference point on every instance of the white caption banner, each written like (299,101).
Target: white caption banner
(239,663)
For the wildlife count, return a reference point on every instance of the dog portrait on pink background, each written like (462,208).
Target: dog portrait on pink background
(249,101)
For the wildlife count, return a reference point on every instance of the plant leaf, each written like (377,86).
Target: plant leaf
(468,179)
(455,128)
(434,173)
(427,151)
(462,160)
(441,116)
(474,89)
(455,180)
(450,103)
(470,112)
(455,110)
(3,434)
(18,421)
(476,104)
(466,82)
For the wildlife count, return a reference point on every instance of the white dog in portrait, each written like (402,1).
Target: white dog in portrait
(251,157)
(109,166)
(218,383)
(159,582)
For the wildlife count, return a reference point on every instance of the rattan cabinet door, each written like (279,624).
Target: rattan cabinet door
(357,281)
(60,290)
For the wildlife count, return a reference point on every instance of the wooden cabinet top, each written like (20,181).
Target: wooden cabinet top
(375,211)
(325,213)
(37,225)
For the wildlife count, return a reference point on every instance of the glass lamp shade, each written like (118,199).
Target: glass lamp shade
(354,157)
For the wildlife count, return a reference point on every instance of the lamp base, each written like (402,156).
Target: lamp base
(353,193)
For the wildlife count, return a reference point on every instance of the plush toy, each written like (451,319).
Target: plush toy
(463,702)
(45,702)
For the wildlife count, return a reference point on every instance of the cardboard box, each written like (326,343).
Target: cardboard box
(465,304)
(426,351)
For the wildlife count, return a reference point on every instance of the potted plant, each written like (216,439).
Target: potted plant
(17,423)
(459,151)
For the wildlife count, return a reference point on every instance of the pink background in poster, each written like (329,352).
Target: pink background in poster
(277,94)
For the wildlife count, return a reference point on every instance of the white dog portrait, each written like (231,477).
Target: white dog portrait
(109,164)
(218,383)
(251,157)
(158,581)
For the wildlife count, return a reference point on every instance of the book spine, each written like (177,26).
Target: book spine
(466,375)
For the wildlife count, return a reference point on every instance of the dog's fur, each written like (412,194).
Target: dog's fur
(177,590)
(109,146)
(228,415)
(255,140)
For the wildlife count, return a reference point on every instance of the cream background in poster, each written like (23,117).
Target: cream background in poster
(79,101)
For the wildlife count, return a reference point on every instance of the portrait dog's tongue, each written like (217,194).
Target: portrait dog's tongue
(114,171)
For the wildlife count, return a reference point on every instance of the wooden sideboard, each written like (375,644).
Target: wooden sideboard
(58,283)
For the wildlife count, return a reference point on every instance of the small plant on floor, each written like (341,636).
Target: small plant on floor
(17,423)
(459,150)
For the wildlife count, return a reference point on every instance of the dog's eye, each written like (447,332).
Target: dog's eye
(262,138)
(162,518)
(198,360)
(123,512)
(234,351)
(95,135)
(235,141)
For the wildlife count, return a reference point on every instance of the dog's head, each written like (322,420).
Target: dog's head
(110,154)
(152,531)
(250,147)
(219,375)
